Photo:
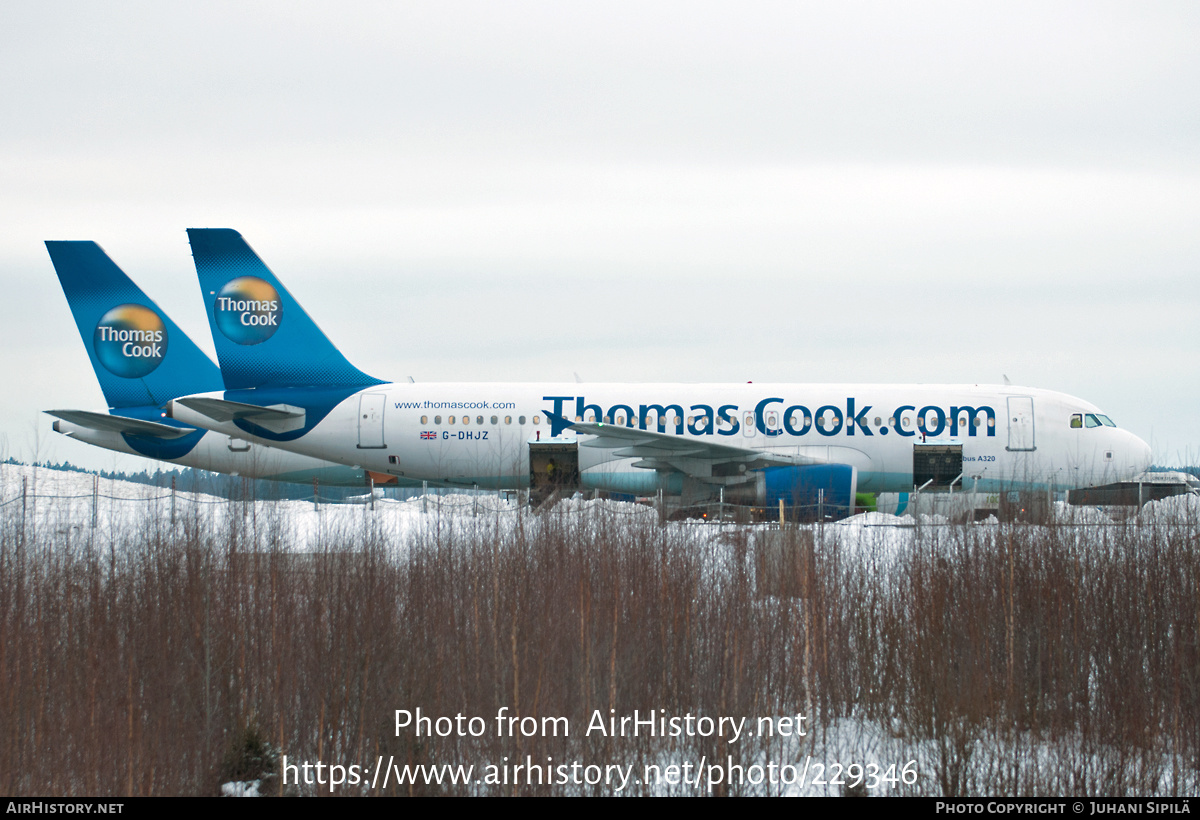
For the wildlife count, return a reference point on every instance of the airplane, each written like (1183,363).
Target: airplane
(288,386)
(142,359)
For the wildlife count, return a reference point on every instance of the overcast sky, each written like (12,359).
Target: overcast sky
(793,192)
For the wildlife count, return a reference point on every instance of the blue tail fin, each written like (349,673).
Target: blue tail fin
(262,335)
(140,356)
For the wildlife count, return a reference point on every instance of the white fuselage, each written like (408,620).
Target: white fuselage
(479,434)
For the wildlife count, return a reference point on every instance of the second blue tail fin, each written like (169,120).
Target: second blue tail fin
(262,335)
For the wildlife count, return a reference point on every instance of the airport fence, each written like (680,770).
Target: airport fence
(459,501)
(189,652)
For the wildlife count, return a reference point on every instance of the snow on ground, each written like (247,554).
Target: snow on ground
(1179,507)
(105,510)
(245,788)
(878,519)
(88,510)
(1066,514)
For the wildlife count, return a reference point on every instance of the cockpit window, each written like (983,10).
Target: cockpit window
(1079,420)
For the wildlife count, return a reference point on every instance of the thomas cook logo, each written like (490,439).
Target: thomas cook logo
(248,310)
(130,341)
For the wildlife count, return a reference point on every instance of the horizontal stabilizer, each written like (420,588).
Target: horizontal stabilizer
(277,417)
(119,424)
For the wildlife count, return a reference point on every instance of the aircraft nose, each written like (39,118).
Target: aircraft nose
(1142,454)
(1136,453)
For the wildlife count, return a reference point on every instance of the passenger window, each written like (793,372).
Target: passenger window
(537,419)
(494,419)
(877,421)
(437,419)
(521,420)
(466,419)
(479,419)
(1077,421)
(424,419)
(620,419)
(508,419)
(904,421)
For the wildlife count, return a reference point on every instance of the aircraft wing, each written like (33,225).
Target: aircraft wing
(667,451)
(119,424)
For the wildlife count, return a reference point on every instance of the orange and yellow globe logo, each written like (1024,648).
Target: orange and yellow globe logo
(130,341)
(248,310)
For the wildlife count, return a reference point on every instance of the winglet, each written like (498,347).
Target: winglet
(262,334)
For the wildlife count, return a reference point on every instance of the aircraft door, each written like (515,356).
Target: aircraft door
(1020,424)
(553,468)
(370,421)
(936,465)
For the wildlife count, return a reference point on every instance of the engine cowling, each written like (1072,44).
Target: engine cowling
(812,491)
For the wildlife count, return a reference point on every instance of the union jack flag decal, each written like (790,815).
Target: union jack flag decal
(426,434)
